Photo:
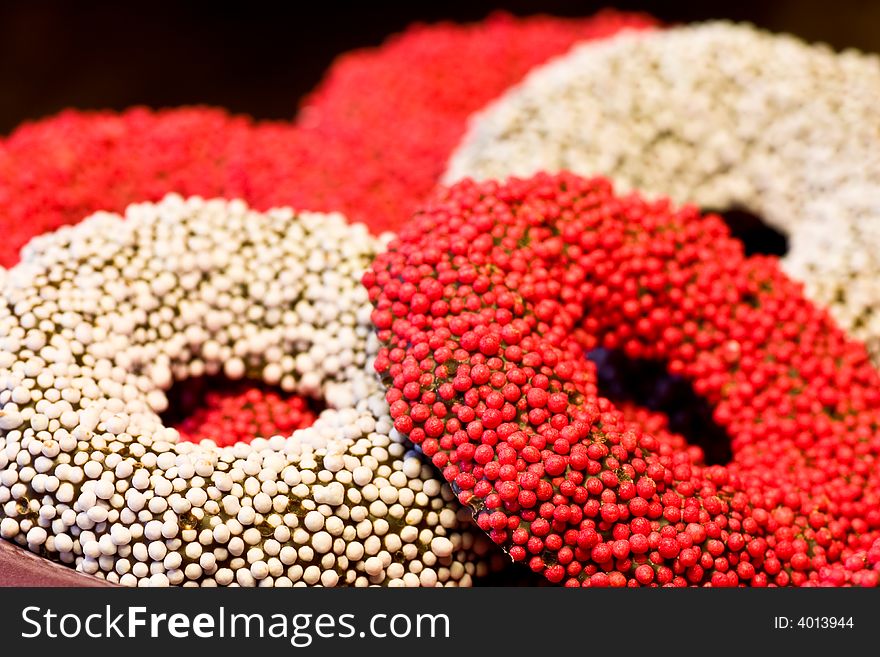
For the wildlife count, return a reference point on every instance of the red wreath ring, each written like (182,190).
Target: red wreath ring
(398,111)
(372,140)
(487,305)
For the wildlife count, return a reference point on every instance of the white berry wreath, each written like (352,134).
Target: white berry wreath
(724,116)
(99,319)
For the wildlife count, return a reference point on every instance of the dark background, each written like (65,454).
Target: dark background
(260,57)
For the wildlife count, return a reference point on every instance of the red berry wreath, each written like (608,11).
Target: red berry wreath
(487,306)
(372,141)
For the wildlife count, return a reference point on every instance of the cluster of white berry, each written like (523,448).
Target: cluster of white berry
(98,320)
(720,115)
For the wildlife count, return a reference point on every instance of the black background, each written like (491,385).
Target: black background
(260,57)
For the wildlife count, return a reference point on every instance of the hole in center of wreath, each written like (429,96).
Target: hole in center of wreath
(757,236)
(647,384)
(228,411)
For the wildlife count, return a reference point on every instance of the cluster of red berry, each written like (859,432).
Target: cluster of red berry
(488,305)
(228,412)
(371,142)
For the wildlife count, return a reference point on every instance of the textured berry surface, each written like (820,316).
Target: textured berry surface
(487,305)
